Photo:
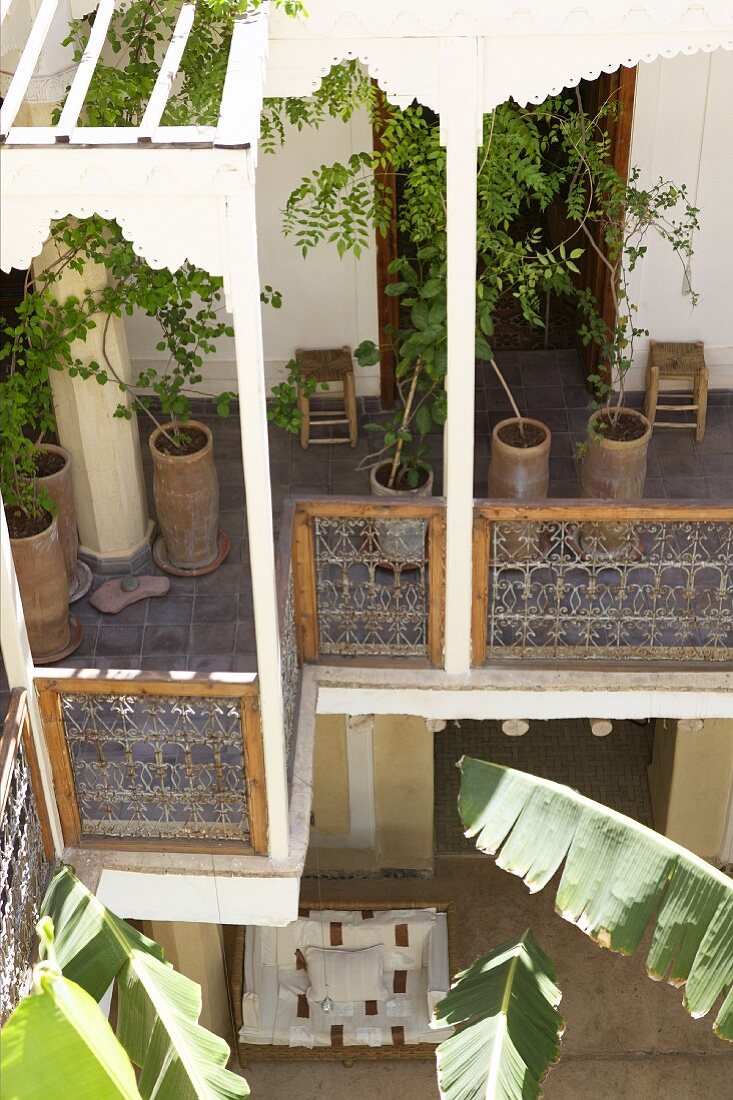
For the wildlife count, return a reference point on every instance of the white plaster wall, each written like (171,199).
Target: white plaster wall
(683,130)
(327,301)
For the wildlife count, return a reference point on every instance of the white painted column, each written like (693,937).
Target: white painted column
(243,299)
(460,131)
(16,654)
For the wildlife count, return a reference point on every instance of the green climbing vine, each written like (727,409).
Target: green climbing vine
(50,328)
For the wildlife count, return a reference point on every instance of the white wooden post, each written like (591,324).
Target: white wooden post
(243,297)
(460,127)
(16,654)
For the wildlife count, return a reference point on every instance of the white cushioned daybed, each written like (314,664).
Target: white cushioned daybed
(355,978)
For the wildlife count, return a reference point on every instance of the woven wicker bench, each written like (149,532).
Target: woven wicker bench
(338,1050)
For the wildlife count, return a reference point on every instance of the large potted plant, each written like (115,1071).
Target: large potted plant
(614,457)
(54,474)
(33,526)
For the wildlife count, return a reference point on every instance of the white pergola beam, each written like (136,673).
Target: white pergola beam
(85,71)
(169,69)
(460,122)
(26,66)
(241,100)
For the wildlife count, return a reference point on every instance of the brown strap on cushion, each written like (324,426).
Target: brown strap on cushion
(370,1008)
(337,1036)
(337,933)
(300,963)
(367,914)
(401,935)
(399,984)
(303,1007)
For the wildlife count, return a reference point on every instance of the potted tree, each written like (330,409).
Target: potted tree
(614,456)
(35,541)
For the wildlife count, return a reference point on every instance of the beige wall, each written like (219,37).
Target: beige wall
(196,950)
(398,794)
(330,778)
(690,779)
(403,791)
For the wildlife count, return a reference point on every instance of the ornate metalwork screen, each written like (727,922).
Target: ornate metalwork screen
(372,587)
(24,871)
(166,766)
(649,589)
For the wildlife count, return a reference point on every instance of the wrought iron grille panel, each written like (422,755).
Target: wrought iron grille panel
(158,766)
(24,874)
(371,586)
(290,668)
(646,590)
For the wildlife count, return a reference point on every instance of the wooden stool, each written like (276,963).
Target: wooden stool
(327,365)
(681,363)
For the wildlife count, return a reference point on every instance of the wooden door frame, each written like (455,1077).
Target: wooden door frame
(619,85)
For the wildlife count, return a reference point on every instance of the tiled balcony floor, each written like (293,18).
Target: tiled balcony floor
(548,385)
(206,624)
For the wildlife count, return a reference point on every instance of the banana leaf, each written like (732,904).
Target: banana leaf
(509,1028)
(58,1044)
(157,1008)
(618,878)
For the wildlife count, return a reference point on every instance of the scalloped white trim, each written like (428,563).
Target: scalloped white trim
(168,205)
(385,18)
(527,70)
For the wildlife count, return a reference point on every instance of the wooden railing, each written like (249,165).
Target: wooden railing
(592,580)
(369,579)
(26,851)
(156,761)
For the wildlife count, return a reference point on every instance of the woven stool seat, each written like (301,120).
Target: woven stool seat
(680,363)
(325,365)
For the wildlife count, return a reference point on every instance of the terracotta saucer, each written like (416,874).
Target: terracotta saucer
(160,557)
(76,633)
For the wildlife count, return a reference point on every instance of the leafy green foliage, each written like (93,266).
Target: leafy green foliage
(531,159)
(58,1043)
(51,330)
(618,879)
(627,214)
(157,1008)
(509,1028)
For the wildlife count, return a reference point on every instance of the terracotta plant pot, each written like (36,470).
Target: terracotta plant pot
(186,493)
(44,590)
(60,490)
(519,473)
(401,540)
(613,470)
